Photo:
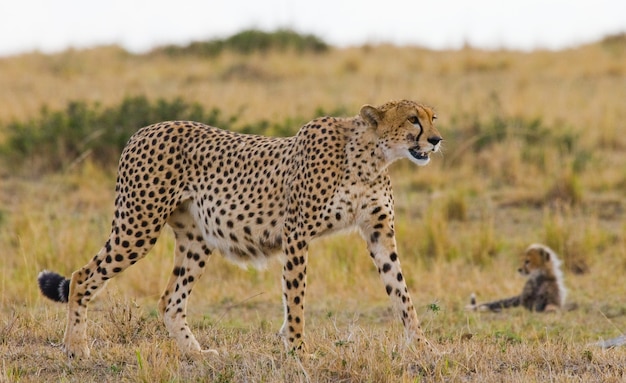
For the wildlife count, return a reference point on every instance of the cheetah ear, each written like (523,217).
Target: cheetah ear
(545,254)
(371,115)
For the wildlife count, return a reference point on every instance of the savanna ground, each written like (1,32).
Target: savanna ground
(534,151)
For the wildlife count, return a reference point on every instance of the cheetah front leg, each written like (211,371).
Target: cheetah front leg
(294,285)
(379,233)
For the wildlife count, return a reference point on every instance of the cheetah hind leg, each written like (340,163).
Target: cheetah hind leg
(112,259)
(190,257)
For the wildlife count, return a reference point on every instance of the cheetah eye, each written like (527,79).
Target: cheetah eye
(413,120)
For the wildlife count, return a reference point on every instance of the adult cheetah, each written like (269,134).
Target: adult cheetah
(250,197)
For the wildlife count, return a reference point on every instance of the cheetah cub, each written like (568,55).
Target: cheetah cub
(544,290)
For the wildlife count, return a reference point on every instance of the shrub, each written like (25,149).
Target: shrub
(56,139)
(529,131)
(482,134)
(615,43)
(250,41)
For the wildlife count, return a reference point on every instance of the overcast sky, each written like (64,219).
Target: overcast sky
(138,25)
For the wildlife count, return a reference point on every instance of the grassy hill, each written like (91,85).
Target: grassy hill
(534,151)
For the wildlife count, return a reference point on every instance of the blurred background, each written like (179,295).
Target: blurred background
(141,25)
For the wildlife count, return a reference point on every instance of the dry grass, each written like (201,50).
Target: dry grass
(462,221)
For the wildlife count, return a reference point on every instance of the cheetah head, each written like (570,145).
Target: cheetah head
(538,258)
(405,129)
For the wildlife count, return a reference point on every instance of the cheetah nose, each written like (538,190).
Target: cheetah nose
(434,140)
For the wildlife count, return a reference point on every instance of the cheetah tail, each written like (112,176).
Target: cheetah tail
(472,306)
(54,286)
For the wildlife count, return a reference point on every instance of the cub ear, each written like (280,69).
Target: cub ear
(371,115)
(545,254)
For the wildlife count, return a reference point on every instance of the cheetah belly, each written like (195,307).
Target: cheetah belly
(243,241)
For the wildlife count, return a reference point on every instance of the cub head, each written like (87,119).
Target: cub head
(405,129)
(538,257)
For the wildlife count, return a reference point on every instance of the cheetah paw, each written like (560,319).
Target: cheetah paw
(76,352)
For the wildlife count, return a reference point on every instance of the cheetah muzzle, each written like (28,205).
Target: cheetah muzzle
(249,198)
(419,155)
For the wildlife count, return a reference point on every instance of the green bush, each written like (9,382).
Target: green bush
(615,43)
(56,139)
(529,131)
(483,133)
(250,41)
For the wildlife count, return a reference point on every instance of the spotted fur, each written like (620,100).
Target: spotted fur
(250,197)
